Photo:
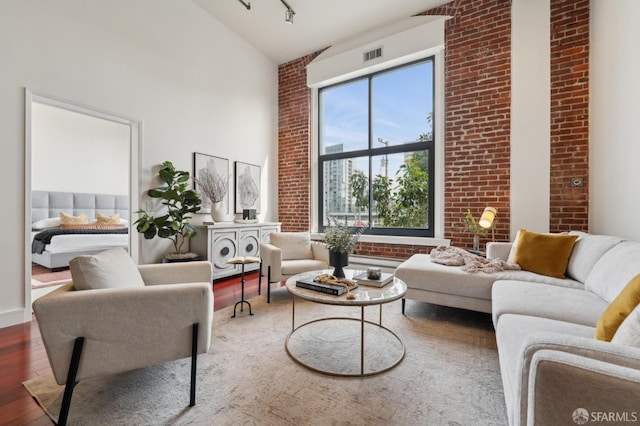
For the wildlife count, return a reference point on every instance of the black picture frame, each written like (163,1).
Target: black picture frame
(247,187)
(221,166)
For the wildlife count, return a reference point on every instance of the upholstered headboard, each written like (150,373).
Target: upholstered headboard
(47,204)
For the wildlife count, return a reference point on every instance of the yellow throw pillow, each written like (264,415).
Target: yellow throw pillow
(67,219)
(102,219)
(546,254)
(618,310)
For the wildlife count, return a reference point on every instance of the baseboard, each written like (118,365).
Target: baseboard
(14,317)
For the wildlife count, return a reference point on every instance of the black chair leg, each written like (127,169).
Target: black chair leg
(260,280)
(71,380)
(269,284)
(194,364)
(403,303)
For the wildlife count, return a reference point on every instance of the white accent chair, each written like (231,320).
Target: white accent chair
(288,254)
(115,316)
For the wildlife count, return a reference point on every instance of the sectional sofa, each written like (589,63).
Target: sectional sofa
(553,369)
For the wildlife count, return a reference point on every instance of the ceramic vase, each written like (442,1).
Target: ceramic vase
(218,212)
(338,259)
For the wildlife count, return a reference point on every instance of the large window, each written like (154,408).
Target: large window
(376,151)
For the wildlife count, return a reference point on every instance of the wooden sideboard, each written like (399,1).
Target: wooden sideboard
(220,242)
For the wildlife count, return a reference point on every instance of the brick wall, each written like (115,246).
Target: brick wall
(294,144)
(477,122)
(569,114)
(477,113)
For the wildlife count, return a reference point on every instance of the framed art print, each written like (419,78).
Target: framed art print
(247,187)
(213,171)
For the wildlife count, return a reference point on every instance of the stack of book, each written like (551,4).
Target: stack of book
(362,279)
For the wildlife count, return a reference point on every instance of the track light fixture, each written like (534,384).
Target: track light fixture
(288,14)
(247,4)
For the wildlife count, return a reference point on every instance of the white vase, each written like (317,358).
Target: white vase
(218,212)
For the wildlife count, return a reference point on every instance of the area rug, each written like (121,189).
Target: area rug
(449,375)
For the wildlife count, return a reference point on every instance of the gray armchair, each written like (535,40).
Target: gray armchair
(288,254)
(88,333)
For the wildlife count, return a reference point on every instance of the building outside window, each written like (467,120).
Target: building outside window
(376,151)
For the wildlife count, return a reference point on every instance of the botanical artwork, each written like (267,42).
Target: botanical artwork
(247,187)
(212,172)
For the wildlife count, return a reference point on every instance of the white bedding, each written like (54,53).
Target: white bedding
(80,242)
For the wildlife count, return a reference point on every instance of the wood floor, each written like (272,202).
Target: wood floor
(22,356)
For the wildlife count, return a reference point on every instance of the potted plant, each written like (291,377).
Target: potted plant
(471,226)
(340,240)
(214,186)
(174,224)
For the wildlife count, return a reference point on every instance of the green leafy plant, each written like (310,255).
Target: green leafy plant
(339,237)
(471,226)
(180,202)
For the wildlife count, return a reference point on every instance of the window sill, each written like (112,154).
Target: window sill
(390,239)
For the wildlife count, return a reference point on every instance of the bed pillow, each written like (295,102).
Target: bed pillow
(618,310)
(545,254)
(67,219)
(103,219)
(112,268)
(52,222)
(90,226)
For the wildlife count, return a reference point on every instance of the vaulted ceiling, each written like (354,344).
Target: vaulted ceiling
(317,23)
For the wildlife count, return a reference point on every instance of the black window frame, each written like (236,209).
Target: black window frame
(371,151)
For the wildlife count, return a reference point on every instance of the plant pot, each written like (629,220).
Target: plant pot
(180,257)
(218,213)
(338,259)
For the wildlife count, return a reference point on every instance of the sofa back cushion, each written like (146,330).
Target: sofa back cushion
(294,245)
(112,268)
(613,271)
(586,252)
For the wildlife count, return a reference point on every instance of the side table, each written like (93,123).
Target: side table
(242,260)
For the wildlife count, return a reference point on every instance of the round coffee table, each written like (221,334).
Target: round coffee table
(364,296)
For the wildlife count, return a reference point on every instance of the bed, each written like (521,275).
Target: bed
(53,247)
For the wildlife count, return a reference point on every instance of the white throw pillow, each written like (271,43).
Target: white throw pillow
(112,268)
(52,222)
(629,331)
(294,245)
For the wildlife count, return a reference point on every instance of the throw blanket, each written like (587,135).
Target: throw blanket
(43,238)
(454,256)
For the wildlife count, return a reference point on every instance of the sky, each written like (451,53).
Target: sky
(401,101)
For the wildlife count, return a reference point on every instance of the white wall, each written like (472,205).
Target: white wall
(530,115)
(614,139)
(194,85)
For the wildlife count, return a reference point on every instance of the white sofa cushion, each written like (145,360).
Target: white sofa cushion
(586,252)
(112,268)
(629,331)
(614,270)
(545,301)
(294,245)
(420,273)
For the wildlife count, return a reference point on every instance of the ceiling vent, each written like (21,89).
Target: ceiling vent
(372,54)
